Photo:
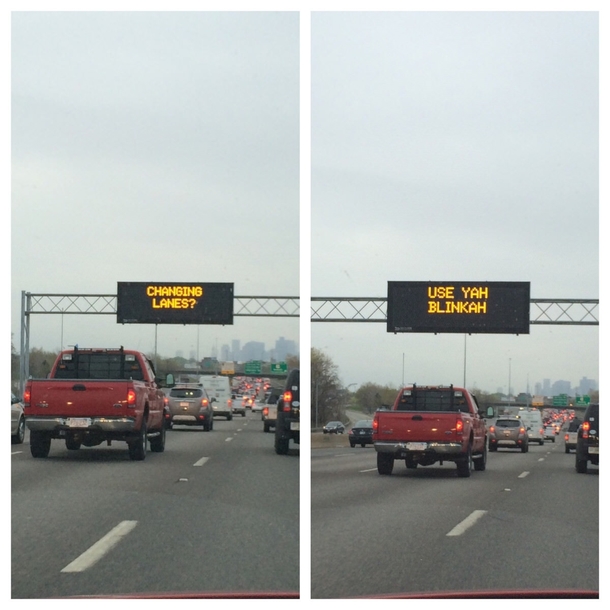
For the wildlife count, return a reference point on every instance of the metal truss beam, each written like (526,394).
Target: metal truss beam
(573,312)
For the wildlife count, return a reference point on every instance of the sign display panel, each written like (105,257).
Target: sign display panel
(174,303)
(459,307)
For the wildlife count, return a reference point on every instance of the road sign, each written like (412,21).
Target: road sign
(560,401)
(279,367)
(582,400)
(174,303)
(254,367)
(458,307)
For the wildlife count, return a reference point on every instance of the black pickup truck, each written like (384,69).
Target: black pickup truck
(587,439)
(287,426)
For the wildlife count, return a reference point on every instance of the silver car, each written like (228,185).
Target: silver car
(17,421)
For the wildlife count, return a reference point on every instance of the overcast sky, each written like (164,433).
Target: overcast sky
(156,147)
(456,146)
(444,146)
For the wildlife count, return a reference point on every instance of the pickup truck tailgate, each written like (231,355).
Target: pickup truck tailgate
(78,398)
(429,426)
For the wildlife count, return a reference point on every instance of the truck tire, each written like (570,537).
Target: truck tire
(385,463)
(72,444)
(480,462)
(410,462)
(581,465)
(281,445)
(157,443)
(464,464)
(266,426)
(40,444)
(137,447)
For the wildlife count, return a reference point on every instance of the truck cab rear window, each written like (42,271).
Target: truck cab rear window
(432,400)
(99,366)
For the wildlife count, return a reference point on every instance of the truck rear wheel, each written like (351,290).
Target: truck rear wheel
(137,447)
(40,444)
(480,462)
(464,465)
(385,463)
(72,444)
(281,445)
(157,443)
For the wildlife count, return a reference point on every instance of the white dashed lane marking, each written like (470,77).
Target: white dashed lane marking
(460,528)
(94,553)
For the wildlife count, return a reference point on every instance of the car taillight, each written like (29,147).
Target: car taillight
(166,400)
(287,398)
(229,401)
(459,426)
(131,398)
(375,425)
(566,437)
(27,396)
(204,402)
(521,430)
(265,410)
(586,426)
(492,429)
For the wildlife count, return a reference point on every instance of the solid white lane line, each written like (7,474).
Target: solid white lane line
(460,528)
(524,474)
(228,439)
(201,462)
(94,553)
(369,470)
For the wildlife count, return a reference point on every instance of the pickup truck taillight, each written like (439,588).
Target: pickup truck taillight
(27,395)
(586,426)
(131,398)
(566,437)
(459,426)
(287,398)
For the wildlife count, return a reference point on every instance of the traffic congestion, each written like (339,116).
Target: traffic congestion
(197,519)
(410,524)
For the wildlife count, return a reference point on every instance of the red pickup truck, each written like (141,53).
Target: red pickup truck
(96,395)
(429,424)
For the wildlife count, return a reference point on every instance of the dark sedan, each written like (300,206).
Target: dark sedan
(334,427)
(361,433)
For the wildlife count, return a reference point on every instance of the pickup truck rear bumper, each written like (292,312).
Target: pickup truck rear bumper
(96,424)
(401,448)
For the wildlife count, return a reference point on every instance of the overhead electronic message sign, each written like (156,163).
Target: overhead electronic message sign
(174,303)
(458,307)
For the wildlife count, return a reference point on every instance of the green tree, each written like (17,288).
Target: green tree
(371,396)
(327,394)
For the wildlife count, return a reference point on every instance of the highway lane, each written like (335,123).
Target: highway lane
(217,511)
(534,525)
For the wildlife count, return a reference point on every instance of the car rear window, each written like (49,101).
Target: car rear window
(364,423)
(508,423)
(185,393)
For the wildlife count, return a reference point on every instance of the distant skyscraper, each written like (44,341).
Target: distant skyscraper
(236,349)
(284,348)
(253,350)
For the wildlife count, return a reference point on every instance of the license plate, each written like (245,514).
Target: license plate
(362,432)
(594,450)
(78,422)
(294,425)
(417,446)
(184,404)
